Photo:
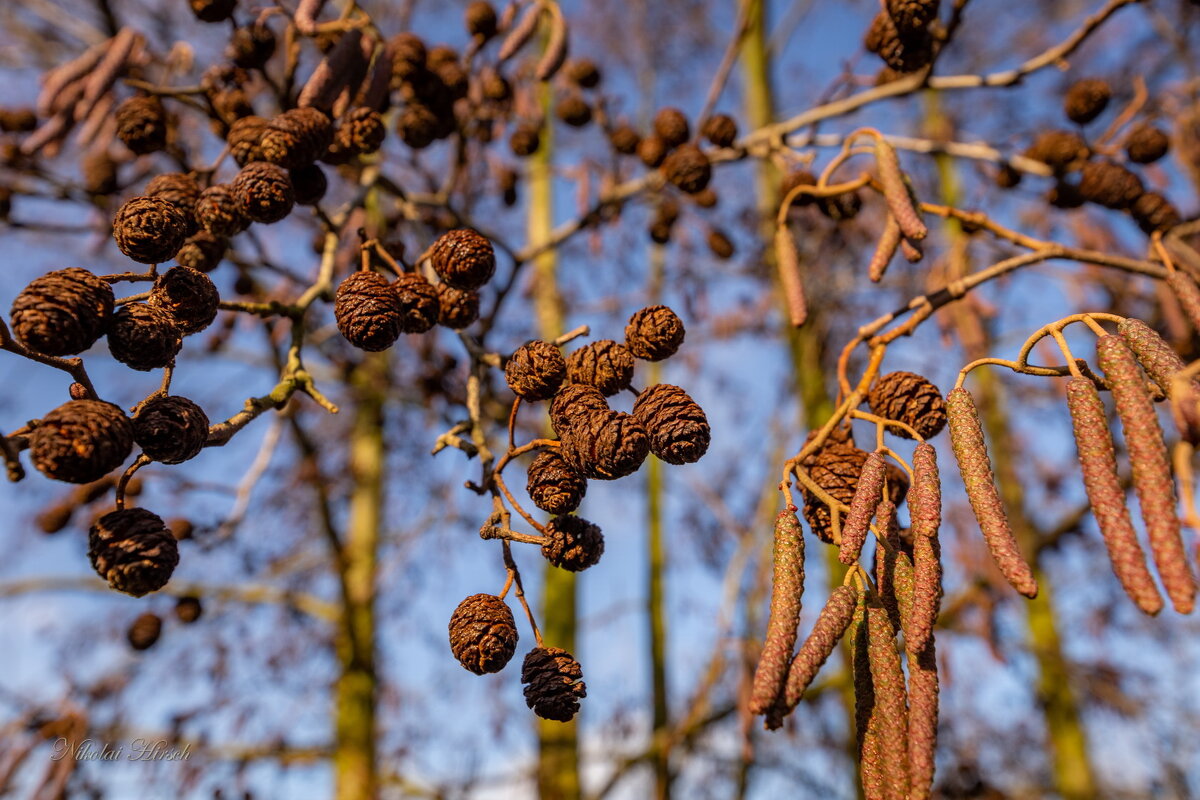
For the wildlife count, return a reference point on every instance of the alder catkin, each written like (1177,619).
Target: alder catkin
(970,449)
(1158,359)
(829,629)
(894,570)
(1151,469)
(925,510)
(885,251)
(1188,293)
(890,714)
(922,720)
(1098,461)
(784,619)
(862,508)
(787,261)
(870,769)
(895,192)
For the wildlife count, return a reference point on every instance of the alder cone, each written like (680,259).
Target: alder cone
(457,308)
(483,634)
(251,46)
(99,173)
(188,609)
(721,130)
(481,19)
(840,207)
(18,120)
(309,184)
(836,468)
(654,333)
(535,371)
(142,124)
(133,550)
(408,56)
(553,683)
(1109,185)
(553,485)
(296,138)
(171,429)
(178,188)
(367,311)
(605,445)
(244,138)
(213,10)
(573,110)
(150,230)
(605,364)
(218,212)
(719,244)
(583,73)
(81,441)
(143,337)
(188,296)
(463,258)
(1153,212)
(1086,99)
(362,131)
(912,15)
(525,140)
(678,428)
(904,52)
(1146,143)
(688,168)
(671,126)
(1059,150)
(795,179)
(419,303)
(652,150)
(573,543)
(63,312)
(909,398)
(575,402)
(263,192)
(144,631)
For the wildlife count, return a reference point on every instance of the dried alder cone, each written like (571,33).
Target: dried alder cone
(133,550)
(81,441)
(553,683)
(721,130)
(688,168)
(671,126)
(296,138)
(188,609)
(63,312)
(419,303)
(263,192)
(218,212)
(605,445)
(573,543)
(188,296)
(909,398)
(535,371)
(463,258)
(170,429)
(457,308)
(178,188)
(144,631)
(483,634)
(654,333)
(553,485)
(150,230)
(605,364)
(678,429)
(1086,99)
(1146,143)
(143,337)
(367,311)
(142,124)
(574,403)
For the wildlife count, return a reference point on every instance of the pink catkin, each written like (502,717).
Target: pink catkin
(862,508)
(895,192)
(890,715)
(1151,469)
(787,261)
(922,720)
(866,721)
(970,449)
(829,629)
(893,569)
(925,508)
(1158,358)
(1098,462)
(885,251)
(1188,293)
(784,619)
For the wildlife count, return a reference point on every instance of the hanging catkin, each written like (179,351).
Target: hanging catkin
(784,619)
(787,261)
(922,719)
(885,251)
(925,508)
(1158,358)
(862,508)
(830,626)
(893,569)
(896,193)
(889,717)
(1188,293)
(966,436)
(1151,469)
(866,721)
(1099,465)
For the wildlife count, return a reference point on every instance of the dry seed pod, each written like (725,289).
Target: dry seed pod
(829,629)
(457,308)
(896,192)
(786,589)
(862,508)
(296,137)
(1158,359)
(143,337)
(483,634)
(553,485)
(150,230)
(624,139)
(170,429)
(573,110)
(144,631)
(55,518)
(912,15)
(245,137)
(1153,212)
(678,427)
(970,449)
(63,312)
(688,168)
(309,184)
(885,251)
(188,296)
(178,188)
(1059,150)
(1146,143)
(188,609)
(1098,462)
(1110,185)
(133,550)
(525,140)
(922,719)
(480,19)
(1151,469)
(251,46)
(463,258)
(889,715)
(835,468)
(573,543)
(652,150)
(218,212)
(553,683)
(574,403)
(1086,99)
(719,244)
(81,441)
(263,192)
(605,364)
(787,260)
(906,51)
(605,445)
(535,371)
(362,131)
(419,303)
(367,311)
(671,126)
(721,130)
(584,73)
(909,398)
(142,124)
(654,333)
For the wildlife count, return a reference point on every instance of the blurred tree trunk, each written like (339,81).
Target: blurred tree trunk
(807,344)
(558,746)
(356,687)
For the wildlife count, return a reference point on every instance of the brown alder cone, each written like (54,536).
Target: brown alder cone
(553,683)
(535,371)
(170,429)
(178,188)
(572,403)
(787,586)
(605,364)
(1086,99)
(654,333)
(688,168)
(889,715)
(419,303)
(218,212)
(143,337)
(18,120)
(1188,294)
(922,719)
(1158,359)
(251,46)
(296,137)
(970,449)
(1153,212)
(909,398)
(1146,143)
(525,140)
(188,296)
(553,485)
(795,179)
(912,15)
(719,244)
(213,10)
(1098,461)
(142,124)
(835,468)
(652,150)
(605,445)
(463,258)
(309,184)
(624,139)
(81,441)
(1109,185)
(1151,469)
(244,139)
(678,428)
(55,518)
(572,543)
(903,52)
(457,308)
(828,630)
(188,609)
(481,19)
(263,192)
(367,311)
(133,550)
(144,631)
(862,507)
(573,110)
(150,230)
(483,634)
(99,173)
(583,72)
(721,130)
(1059,150)
(671,126)
(408,56)
(362,131)
(62,312)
